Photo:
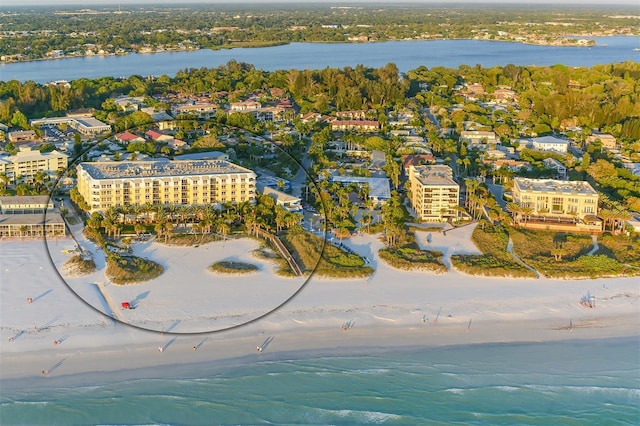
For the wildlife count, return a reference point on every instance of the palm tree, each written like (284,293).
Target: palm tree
(222,228)
(159,228)
(168,230)
(139,228)
(516,210)
(147,208)
(558,252)
(135,210)
(620,217)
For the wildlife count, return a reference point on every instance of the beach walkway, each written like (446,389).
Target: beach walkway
(596,247)
(283,251)
(520,261)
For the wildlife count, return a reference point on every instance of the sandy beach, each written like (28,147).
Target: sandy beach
(187,306)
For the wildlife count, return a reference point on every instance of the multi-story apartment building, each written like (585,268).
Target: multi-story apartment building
(27,163)
(106,184)
(556,198)
(24,216)
(434,193)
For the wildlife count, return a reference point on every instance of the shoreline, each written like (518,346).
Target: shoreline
(46,327)
(85,366)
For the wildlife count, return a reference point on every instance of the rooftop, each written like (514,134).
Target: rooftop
(31,219)
(159,168)
(434,175)
(90,122)
(41,200)
(378,187)
(555,186)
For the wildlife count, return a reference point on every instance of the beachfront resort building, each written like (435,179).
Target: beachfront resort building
(163,182)
(26,163)
(24,216)
(559,199)
(434,193)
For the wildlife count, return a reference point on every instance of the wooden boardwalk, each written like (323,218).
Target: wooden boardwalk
(283,251)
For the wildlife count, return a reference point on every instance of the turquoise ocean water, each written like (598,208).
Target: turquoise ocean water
(555,383)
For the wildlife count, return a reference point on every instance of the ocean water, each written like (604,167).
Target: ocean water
(555,383)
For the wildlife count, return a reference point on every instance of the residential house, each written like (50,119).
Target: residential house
(379,189)
(608,141)
(363,126)
(128,137)
(156,136)
(475,137)
(286,201)
(21,136)
(561,170)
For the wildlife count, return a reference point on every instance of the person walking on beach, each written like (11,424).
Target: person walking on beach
(195,348)
(160,349)
(259,348)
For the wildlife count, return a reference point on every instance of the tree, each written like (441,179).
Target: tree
(18,119)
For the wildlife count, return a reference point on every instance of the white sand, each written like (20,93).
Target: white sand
(392,308)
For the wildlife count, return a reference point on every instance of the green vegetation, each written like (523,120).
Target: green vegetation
(409,258)
(325,260)
(186,240)
(266,253)
(232,267)
(78,265)
(624,249)
(492,241)
(564,255)
(131,269)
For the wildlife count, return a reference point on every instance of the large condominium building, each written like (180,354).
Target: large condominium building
(24,216)
(556,198)
(28,163)
(434,193)
(107,184)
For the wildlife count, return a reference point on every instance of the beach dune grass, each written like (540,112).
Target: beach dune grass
(131,269)
(79,265)
(232,267)
(410,257)
(565,255)
(495,260)
(327,260)
(625,249)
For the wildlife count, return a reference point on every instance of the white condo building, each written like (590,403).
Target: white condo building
(434,193)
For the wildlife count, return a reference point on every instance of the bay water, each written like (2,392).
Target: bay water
(573,382)
(407,55)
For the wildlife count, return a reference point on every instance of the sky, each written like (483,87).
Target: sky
(88,3)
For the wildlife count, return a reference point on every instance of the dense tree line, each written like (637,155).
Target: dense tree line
(605,97)
(35,31)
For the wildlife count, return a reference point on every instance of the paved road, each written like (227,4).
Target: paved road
(498,191)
